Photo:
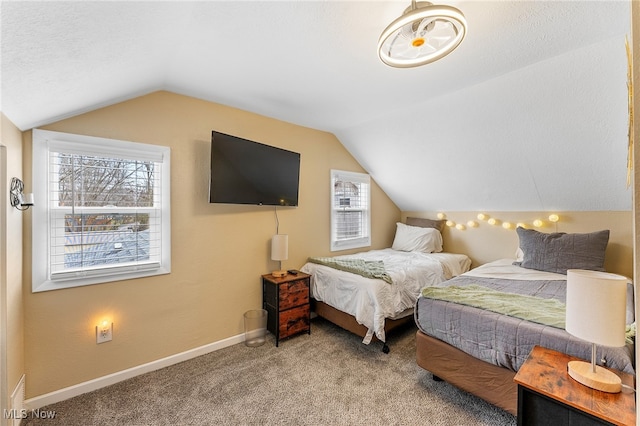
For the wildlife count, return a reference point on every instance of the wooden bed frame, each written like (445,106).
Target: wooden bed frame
(492,383)
(349,323)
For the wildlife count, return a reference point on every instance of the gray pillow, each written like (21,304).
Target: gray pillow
(426,223)
(559,251)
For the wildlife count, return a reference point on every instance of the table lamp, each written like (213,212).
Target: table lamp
(279,252)
(596,312)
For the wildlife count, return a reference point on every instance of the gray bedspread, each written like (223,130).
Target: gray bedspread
(506,341)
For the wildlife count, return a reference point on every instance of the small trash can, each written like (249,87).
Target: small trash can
(255,327)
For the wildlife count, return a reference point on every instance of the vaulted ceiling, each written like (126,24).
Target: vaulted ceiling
(529,113)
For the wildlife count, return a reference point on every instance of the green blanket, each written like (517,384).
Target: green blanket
(535,309)
(366,268)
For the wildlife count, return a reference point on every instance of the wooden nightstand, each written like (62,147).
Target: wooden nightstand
(547,395)
(287,302)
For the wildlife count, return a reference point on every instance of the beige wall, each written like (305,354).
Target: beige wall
(218,251)
(11,263)
(490,242)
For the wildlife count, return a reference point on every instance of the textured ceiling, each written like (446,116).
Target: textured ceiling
(444,126)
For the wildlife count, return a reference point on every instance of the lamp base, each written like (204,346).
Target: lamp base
(279,274)
(602,380)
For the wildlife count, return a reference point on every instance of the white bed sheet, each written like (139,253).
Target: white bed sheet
(504,268)
(371,301)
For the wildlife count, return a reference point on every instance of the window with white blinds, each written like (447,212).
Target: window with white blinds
(350,210)
(101,210)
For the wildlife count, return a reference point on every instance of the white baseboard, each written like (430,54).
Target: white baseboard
(100,382)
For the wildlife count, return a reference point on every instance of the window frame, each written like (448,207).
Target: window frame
(364,238)
(43,142)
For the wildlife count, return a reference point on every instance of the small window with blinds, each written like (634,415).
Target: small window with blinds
(101,210)
(350,210)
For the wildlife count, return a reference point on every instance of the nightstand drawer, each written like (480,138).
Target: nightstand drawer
(294,321)
(294,293)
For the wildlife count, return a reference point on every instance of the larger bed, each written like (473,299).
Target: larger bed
(371,306)
(480,350)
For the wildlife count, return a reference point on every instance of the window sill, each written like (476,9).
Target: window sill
(48,285)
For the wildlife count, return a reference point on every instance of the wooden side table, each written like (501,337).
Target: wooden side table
(287,302)
(547,395)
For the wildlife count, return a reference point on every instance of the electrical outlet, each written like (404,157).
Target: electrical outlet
(104,332)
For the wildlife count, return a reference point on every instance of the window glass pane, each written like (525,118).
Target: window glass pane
(350,217)
(87,240)
(105,239)
(346,194)
(349,224)
(86,181)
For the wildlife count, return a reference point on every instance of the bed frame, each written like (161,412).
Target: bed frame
(492,383)
(349,323)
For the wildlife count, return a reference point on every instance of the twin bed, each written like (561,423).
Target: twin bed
(375,304)
(371,293)
(475,347)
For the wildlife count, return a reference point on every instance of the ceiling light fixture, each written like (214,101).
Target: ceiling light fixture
(424,33)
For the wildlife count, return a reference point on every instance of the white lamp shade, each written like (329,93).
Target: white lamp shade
(596,306)
(280,247)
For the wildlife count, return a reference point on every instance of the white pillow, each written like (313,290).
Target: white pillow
(414,238)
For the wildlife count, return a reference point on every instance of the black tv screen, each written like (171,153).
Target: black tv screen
(247,172)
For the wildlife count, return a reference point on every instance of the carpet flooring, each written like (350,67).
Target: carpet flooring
(326,378)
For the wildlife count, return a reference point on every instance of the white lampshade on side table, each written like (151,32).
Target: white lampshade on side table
(596,312)
(279,252)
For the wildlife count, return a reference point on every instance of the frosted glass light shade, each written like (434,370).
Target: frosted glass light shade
(280,247)
(596,307)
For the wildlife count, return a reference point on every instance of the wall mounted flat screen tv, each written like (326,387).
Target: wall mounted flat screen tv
(247,172)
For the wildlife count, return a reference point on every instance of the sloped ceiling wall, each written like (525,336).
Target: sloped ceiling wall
(550,136)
